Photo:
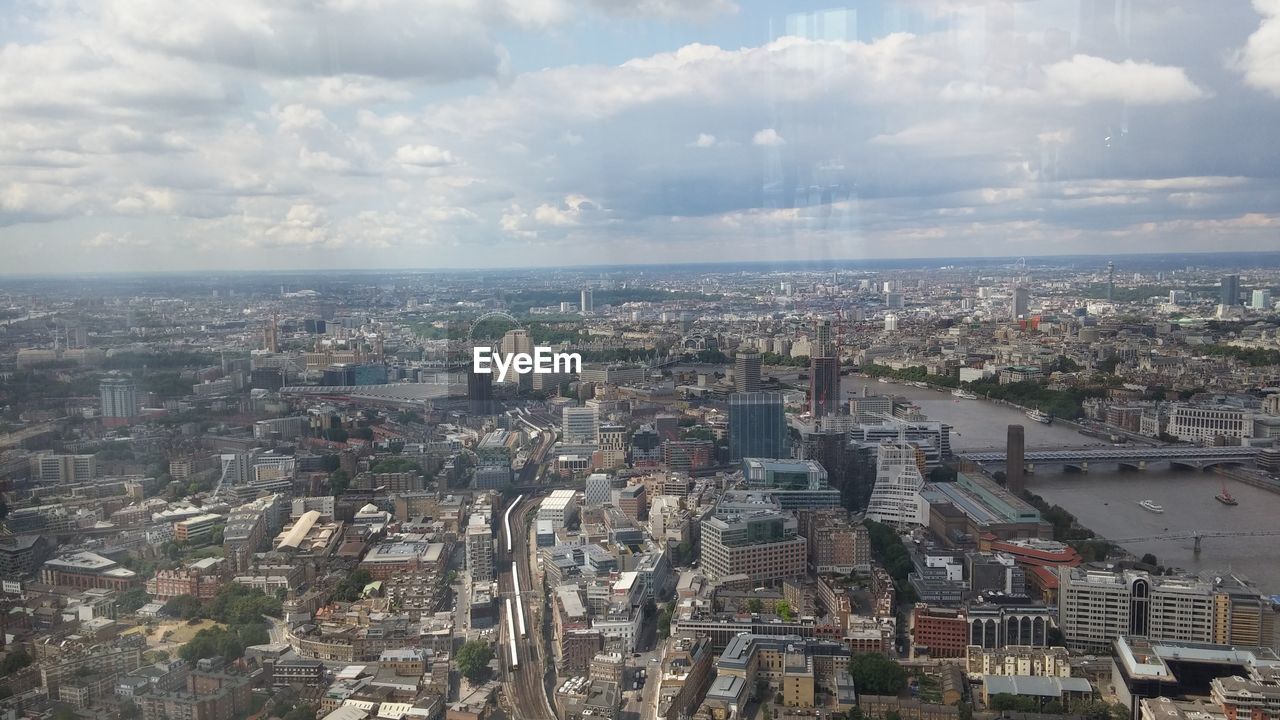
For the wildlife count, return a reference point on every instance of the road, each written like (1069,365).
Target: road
(525,687)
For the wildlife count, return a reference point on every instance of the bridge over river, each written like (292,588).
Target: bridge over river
(1131,458)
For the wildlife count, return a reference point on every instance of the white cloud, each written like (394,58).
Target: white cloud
(1259,60)
(1086,79)
(704,140)
(423,155)
(767,137)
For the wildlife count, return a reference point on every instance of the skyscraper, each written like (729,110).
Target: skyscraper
(1111,281)
(895,497)
(1230,290)
(824,386)
(1021,302)
(588,305)
(824,373)
(1261,300)
(757,426)
(746,371)
(480,393)
(1016,464)
(119,397)
(514,342)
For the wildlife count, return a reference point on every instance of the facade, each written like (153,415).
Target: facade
(795,667)
(757,426)
(1018,660)
(558,508)
(762,544)
(895,497)
(795,484)
(479,549)
(746,371)
(1095,607)
(836,544)
(64,468)
(939,632)
(84,570)
(1192,423)
(119,397)
(579,424)
(824,386)
(599,489)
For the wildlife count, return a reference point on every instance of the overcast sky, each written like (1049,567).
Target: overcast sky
(167,134)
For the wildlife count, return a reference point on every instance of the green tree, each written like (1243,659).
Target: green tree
(14,661)
(129,710)
(183,606)
(339,481)
(782,609)
(473,660)
(130,600)
(755,604)
(664,621)
(876,674)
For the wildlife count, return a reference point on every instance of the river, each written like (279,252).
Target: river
(1106,500)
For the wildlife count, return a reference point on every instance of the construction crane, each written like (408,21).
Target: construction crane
(1197,535)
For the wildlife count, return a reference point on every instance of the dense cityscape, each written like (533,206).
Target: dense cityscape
(909,490)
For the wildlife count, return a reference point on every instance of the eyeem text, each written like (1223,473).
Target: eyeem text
(541,361)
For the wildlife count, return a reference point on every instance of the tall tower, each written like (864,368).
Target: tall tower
(1016,464)
(1111,281)
(746,371)
(271,335)
(824,373)
(588,304)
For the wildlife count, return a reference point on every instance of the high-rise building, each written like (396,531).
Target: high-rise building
(1261,300)
(757,426)
(824,373)
(890,323)
(517,342)
(588,304)
(1111,281)
(893,300)
(479,549)
(1021,303)
(480,393)
(1230,291)
(746,371)
(895,497)
(119,397)
(579,424)
(1016,465)
(824,386)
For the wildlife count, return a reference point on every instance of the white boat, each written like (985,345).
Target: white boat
(920,384)
(883,380)
(1039,416)
(965,394)
(1152,506)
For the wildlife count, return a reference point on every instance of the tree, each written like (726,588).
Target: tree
(942,473)
(1150,559)
(473,660)
(782,609)
(129,710)
(755,604)
(339,481)
(213,642)
(664,621)
(876,674)
(182,606)
(130,600)
(14,661)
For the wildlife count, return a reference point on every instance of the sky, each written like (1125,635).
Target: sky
(159,135)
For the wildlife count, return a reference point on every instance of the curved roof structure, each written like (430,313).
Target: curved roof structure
(293,539)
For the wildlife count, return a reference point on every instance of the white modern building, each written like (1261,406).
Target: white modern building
(558,507)
(895,498)
(579,424)
(599,487)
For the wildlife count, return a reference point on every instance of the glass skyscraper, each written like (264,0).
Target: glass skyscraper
(757,426)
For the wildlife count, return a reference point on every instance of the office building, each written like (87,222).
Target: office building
(893,300)
(1020,303)
(757,426)
(747,536)
(1261,300)
(558,508)
(599,490)
(84,570)
(1229,294)
(480,393)
(891,323)
(895,497)
(795,667)
(47,467)
(1202,424)
(836,543)
(795,484)
(355,374)
(824,386)
(588,303)
(119,397)
(1097,606)
(579,424)
(746,371)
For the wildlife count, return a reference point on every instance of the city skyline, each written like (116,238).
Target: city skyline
(247,135)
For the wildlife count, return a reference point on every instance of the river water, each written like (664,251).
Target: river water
(1106,500)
